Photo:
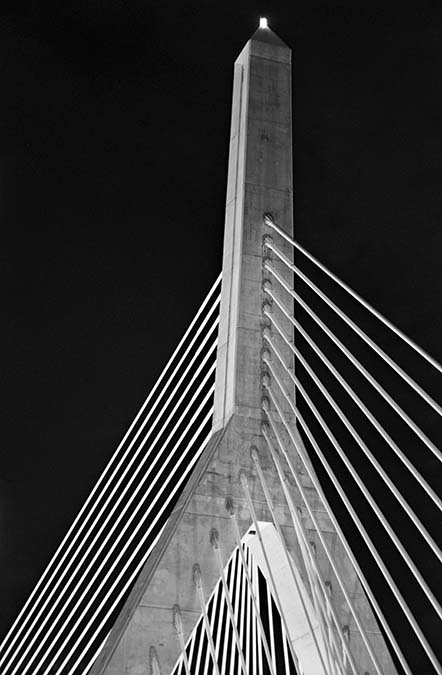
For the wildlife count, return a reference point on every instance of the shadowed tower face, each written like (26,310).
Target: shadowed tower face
(259,182)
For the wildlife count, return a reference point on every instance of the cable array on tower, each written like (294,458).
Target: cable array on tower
(365,448)
(65,621)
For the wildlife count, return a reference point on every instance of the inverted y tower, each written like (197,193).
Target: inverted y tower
(259,181)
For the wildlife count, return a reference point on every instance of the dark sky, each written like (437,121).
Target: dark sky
(114,123)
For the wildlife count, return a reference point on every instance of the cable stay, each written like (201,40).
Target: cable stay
(66,617)
(268,220)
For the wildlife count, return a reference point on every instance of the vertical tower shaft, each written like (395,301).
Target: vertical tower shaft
(259,180)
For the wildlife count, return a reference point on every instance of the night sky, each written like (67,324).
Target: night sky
(114,123)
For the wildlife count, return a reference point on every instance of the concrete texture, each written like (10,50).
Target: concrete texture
(259,180)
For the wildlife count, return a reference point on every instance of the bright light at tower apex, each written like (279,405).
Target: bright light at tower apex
(263,22)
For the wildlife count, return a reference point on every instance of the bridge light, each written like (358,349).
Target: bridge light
(263,22)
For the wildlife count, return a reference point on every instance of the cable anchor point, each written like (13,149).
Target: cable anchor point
(229,506)
(214,537)
(196,575)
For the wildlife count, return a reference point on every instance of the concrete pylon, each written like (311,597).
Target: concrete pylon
(259,181)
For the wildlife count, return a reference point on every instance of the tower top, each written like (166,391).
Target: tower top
(265,34)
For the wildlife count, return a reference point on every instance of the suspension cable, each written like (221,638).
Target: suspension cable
(300,532)
(132,578)
(357,522)
(342,315)
(230,510)
(245,486)
(107,520)
(411,343)
(271,508)
(102,478)
(302,454)
(338,410)
(178,625)
(198,584)
(215,545)
(358,480)
(358,365)
(353,395)
(115,562)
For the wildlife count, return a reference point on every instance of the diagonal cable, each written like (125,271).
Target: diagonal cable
(411,343)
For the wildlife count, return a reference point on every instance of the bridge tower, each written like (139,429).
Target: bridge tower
(259,182)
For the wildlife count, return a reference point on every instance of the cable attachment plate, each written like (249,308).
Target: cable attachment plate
(265,402)
(177,620)
(267,258)
(214,537)
(254,454)
(243,480)
(229,506)
(154,663)
(267,331)
(266,286)
(265,355)
(265,378)
(267,306)
(196,575)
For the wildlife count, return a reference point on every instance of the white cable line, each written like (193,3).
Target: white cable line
(324,619)
(329,648)
(271,508)
(359,525)
(200,648)
(255,581)
(224,640)
(255,632)
(239,609)
(375,384)
(109,553)
(114,526)
(285,651)
(106,470)
(252,593)
(103,526)
(271,628)
(139,566)
(245,486)
(341,536)
(307,552)
(127,486)
(120,596)
(207,625)
(178,625)
(371,343)
(219,639)
(351,392)
(191,641)
(357,297)
(338,410)
(362,486)
(213,599)
(247,622)
(95,656)
(220,565)
(242,619)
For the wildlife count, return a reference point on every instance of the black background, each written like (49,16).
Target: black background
(114,138)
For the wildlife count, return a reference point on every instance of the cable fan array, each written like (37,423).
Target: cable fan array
(240,629)
(337,410)
(64,624)
(377,485)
